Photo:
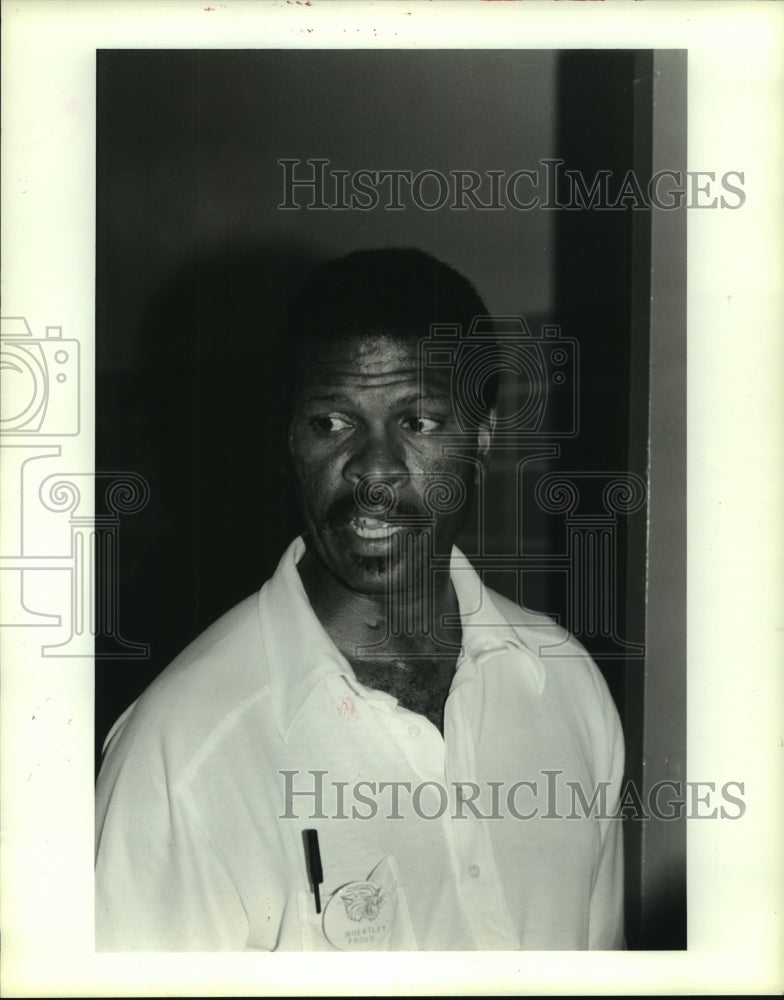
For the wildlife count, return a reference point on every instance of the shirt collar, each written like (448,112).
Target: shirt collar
(300,653)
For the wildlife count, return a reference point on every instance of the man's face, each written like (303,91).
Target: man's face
(368,447)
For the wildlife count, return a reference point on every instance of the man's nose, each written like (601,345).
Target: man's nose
(377,458)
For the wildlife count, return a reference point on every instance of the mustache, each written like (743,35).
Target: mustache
(347,507)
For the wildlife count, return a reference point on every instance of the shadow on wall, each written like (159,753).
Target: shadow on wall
(202,417)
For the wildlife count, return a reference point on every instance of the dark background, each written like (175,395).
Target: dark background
(195,260)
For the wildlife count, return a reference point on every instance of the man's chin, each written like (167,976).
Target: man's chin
(376,568)
(369,574)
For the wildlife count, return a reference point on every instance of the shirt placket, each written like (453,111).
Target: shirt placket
(418,739)
(479,883)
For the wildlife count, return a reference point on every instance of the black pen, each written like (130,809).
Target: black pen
(313,857)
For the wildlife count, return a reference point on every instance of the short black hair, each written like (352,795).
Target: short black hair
(391,291)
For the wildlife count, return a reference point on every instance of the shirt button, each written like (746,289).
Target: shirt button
(414,730)
(474,871)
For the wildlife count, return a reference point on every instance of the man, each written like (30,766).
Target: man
(374,692)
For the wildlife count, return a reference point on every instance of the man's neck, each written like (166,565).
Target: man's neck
(408,629)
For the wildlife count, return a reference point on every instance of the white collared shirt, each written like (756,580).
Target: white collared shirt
(485,838)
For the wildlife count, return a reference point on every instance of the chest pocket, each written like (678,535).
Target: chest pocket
(370,914)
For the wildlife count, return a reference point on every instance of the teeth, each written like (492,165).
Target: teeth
(371,527)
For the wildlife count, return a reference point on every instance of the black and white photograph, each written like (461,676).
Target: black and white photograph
(363,541)
(462,241)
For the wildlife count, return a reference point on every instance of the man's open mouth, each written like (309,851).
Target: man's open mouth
(374,528)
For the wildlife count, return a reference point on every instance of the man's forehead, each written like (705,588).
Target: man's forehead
(368,358)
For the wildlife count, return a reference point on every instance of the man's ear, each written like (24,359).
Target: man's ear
(485,435)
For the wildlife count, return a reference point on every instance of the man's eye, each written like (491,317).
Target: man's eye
(422,425)
(333,423)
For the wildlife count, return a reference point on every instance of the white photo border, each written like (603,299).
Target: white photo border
(735,418)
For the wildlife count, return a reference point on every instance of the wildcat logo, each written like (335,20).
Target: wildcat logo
(363,902)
